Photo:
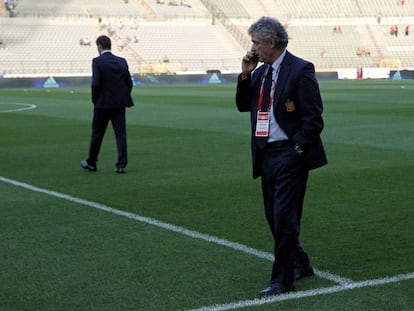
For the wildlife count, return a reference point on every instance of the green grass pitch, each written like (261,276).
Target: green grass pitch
(189,166)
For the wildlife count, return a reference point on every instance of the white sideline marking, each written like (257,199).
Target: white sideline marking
(25,107)
(170,227)
(147,220)
(308,293)
(332,277)
(344,284)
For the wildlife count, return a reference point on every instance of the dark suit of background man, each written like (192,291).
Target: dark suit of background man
(111,94)
(285,142)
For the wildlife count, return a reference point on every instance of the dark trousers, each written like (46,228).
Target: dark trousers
(284,179)
(101,118)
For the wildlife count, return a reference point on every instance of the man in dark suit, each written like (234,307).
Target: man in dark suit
(283,98)
(111,94)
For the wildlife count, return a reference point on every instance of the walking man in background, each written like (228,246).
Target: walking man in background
(111,94)
(284,101)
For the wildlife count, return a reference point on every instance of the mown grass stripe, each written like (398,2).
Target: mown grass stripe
(170,227)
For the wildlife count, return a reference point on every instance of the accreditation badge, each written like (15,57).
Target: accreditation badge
(262,124)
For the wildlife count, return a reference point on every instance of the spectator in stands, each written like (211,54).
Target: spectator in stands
(322,53)
(379,15)
(11,7)
(407,30)
(84,41)
(185,4)
(111,94)
(285,106)
(1,44)
(392,30)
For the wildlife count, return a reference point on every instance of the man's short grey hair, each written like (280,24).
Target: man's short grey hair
(268,28)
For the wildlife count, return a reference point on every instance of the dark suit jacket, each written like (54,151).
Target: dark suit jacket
(297,108)
(111,82)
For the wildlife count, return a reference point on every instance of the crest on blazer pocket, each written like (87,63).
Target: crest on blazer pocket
(290,106)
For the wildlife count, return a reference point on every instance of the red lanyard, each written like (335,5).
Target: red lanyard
(260,102)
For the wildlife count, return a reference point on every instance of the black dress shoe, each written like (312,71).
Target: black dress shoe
(301,272)
(276,289)
(88,167)
(120,170)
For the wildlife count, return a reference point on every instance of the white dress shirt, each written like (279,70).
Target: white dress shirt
(275,132)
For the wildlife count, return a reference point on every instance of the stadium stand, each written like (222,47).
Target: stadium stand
(86,8)
(229,8)
(185,9)
(198,42)
(170,36)
(49,46)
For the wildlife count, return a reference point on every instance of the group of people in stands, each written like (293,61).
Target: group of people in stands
(175,3)
(363,52)
(394,30)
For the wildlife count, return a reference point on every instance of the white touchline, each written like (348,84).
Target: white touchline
(191,233)
(303,294)
(344,283)
(25,107)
